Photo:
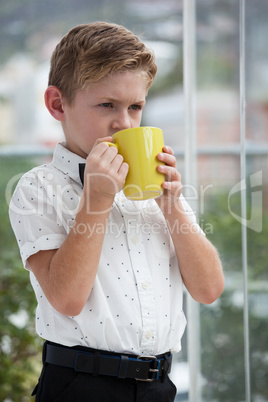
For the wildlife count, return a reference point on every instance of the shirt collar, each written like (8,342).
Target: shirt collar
(67,161)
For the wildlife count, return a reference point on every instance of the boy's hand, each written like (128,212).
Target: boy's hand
(105,172)
(172,185)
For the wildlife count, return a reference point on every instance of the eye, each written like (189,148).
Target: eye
(135,107)
(106,105)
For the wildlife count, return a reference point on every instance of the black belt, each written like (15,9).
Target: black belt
(96,362)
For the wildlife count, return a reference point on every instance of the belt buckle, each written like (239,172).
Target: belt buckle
(156,370)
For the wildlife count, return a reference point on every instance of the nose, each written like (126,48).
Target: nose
(121,121)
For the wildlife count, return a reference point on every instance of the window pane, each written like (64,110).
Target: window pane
(218,139)
(257,193)
(218,136)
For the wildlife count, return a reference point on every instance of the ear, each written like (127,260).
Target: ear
(54,103)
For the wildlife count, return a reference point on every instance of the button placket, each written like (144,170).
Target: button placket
(134,224)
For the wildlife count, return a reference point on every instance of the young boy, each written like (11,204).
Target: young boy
(108,272)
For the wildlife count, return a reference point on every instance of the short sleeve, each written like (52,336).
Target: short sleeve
(35,221)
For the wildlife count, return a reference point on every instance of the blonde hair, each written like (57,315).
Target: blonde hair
(90,52)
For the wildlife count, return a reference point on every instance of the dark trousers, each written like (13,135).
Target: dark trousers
(61,384)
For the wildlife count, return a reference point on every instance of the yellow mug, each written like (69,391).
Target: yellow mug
(139,147)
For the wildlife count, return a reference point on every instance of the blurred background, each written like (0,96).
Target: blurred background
(229,351)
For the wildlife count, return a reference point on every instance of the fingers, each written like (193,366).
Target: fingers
(116,161)
(167,156)
(174,187)
(123,170)
(104,139)
(167,149)
(105,160)
(171,173)
(100,147)
(172,176)
(169,169)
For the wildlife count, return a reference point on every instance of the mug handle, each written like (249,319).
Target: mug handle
(111,144)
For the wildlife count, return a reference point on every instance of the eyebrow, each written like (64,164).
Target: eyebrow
(113,100)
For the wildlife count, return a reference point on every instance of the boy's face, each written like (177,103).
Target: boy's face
(113,104)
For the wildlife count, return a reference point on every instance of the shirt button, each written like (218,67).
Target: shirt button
(144,285)
(149,335)
(135,239)
(50,176)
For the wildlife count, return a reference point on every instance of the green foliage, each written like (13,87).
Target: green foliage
(19,345)
(226,234)
(222,324)
(168,82)
(222,351)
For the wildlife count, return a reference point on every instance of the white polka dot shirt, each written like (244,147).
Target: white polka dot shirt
(135,305)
